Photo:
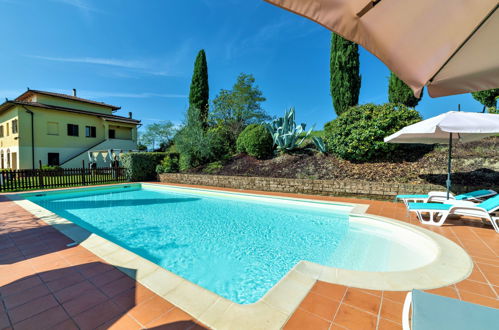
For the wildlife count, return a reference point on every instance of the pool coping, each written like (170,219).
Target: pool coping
(280,302)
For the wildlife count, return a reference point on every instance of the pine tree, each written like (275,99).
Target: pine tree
(399,92)
(199,93)
(345,76)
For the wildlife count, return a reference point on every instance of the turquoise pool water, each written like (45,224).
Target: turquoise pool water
(236,247)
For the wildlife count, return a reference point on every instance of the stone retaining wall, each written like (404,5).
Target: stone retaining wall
(378,190)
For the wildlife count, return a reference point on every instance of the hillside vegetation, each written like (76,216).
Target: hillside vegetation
(475,163)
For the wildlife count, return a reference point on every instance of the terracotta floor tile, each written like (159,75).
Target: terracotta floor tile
(362,300)
(150,310)
(4,319)
(353,318)
(93,269)
(391,310)
(74,291)
(479,299)
(172,318)
(64,282)
(121,322)
(106,277)
(448,291)
(45,320)
(384,324)
(397,296)
(96,316)
(31,308)
(25,296)
(301,319)
(65,325)
(85,301)
(118,286)
(59,274)
(477,275)
(20,285)
(373,292)
(331,291)
(49,265)
(132,297)
(477,288)
(320,305)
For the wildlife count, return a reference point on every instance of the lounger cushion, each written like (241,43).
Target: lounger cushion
(490,204)
(474,194)
(411,196)
(431,311)
(429,206)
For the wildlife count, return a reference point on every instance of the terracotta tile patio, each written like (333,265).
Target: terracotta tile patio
(46,285)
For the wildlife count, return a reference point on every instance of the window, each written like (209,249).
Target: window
(14,126)
(1,131)
(53,159)
(72,130)
(112,134)
(90,131)
(7,129)
(52,128)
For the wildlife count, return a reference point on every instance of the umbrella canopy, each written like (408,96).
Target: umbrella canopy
(449,45)
(468,126)
(446,128)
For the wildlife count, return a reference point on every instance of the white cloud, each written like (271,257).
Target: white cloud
(94,60)
(139,95)
(143,66)
(81,5)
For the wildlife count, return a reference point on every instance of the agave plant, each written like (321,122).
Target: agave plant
(319,144)
(285,133)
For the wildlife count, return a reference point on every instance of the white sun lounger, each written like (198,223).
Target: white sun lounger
(441,196)
(438,213)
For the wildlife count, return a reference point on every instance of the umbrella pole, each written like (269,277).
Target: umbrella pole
(449,166)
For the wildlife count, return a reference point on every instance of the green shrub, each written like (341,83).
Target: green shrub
(141,166)
(51,168)
(256,141)
(169,164)
(358,133)
(213,167)
(197,146)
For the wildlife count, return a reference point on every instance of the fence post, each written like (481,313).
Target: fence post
(83,172)
(40,174)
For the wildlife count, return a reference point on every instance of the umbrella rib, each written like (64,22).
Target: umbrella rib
(464,42)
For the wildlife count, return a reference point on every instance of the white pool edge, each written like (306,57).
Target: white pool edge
(451,265)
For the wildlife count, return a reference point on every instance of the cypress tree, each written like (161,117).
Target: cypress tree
(199,93)
(399,92)
(345,76)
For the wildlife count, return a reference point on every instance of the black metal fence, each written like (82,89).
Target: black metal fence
(18,180)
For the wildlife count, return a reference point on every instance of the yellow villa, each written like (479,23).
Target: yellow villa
(60,129)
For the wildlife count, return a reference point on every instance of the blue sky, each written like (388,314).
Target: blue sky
(139,55)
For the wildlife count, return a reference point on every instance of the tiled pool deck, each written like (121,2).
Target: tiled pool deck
(46,285)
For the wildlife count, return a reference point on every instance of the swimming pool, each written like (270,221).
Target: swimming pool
(235,245)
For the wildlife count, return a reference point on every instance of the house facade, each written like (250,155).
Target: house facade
(60,129)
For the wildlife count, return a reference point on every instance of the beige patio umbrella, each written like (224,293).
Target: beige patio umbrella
(451,46)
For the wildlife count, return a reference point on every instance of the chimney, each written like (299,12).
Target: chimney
(74,92)
(130,115)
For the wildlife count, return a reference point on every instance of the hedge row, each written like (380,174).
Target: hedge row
(141,166)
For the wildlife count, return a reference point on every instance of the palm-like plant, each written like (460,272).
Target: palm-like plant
(286,134)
